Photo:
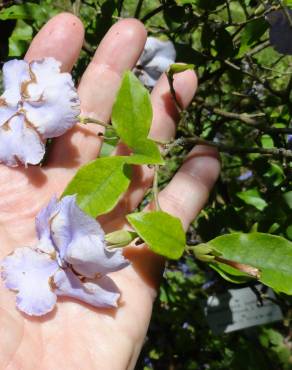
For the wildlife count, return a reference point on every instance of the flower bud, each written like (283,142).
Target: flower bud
(120,238)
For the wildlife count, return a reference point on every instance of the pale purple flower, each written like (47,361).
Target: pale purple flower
(39,102)
(245,176)
(71,259)
(156,58)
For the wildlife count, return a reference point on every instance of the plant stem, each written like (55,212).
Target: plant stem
(245,118)
(85,120)
(138,9)
(173,93)
(120,7)
(152,13)
(191,141)
(155,188)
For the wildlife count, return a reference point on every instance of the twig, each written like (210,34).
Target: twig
(263,45)
(248,119)
(244,117)
(138,9)
(120,7)
(173,93)
(152,13)
(76,7)
(155,188)
(195,140)
(255,78)
(87,47)
(228,11)
(85,120)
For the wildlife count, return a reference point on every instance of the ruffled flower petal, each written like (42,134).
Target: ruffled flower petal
(80,240)
(51,101)
(15,73)
(6,112)
(29,273)
(43,226)
(100,293)
(20,143)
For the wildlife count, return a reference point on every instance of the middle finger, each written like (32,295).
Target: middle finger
(117,52)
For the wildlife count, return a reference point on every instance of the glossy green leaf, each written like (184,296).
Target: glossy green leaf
(100,184)
(270,254)
(132,117)
(162,232)
(253,198)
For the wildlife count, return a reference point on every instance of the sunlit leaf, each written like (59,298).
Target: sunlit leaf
(132,117)
(100,184)
(253,198)
(162,232)
(270,254)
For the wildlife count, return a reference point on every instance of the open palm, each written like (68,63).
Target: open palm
(74,335)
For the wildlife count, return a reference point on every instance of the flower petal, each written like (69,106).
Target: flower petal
(51,101)
(15,72)
(91,262)
(29,273)
(6,112)
(43,226)
(19,142)
(80,240)
(100,293)
(146,79)
(156,58)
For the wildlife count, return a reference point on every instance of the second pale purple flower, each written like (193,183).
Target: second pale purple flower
(71,259)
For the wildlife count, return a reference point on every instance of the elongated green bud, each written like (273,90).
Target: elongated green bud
(120,238)
(203,252)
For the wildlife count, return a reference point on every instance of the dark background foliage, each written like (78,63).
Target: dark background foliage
(243,106)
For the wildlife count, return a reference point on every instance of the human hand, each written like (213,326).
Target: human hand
(75,335)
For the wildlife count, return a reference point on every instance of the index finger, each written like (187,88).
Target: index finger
(61,38)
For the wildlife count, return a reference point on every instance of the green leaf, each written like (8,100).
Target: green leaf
(270,254)
(19,39)
(267,141)
(251,34)
(288,198)
(230,274)
(28,11)
(163,233)
(109,143)
(209,4)
(100,184)
(253,198)
(177,68)
(153,155)
(275,174)
(224,43)
(132,117)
